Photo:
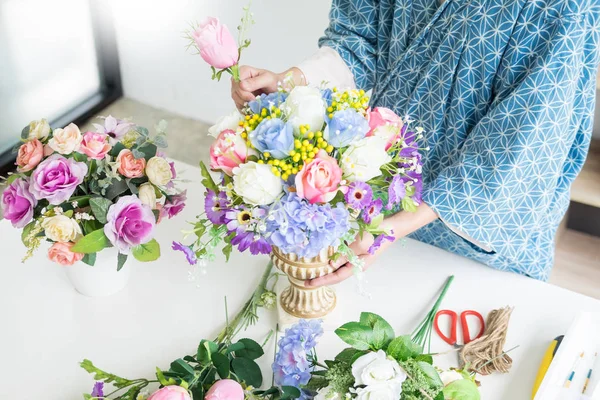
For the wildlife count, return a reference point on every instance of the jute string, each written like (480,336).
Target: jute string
(485,355)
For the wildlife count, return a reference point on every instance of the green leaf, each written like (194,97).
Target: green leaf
(425,358)
(160,375)
(235,347)
(383,332)
(11,178)
(402,348)
(121,259)
(205,350)
(147,252)
(82,201)
(349,355)
(208,181)
(247,370)
(79,157)
(181,367)
(117,149)
(116,188)
(100,375)
(227,251)
(91,243)
(431,374)
(251,350)
(290,392)
(410,190)
(25,132)
(161,141)
(142,131)
(100,207)
(221,363)
(148,150)
(356,335)
(89,259)
(462,389)
(408,204)
(25,232)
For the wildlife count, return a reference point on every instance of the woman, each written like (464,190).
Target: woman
(505,90)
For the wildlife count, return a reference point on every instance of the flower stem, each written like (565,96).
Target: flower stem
(422,335)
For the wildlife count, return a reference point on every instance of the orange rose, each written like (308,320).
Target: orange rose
(61,253)
(30,154)
(129,166)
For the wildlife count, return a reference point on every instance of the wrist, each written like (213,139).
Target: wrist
(291,78)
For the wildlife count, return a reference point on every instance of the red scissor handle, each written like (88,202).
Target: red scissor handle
(453,321)
(465,326)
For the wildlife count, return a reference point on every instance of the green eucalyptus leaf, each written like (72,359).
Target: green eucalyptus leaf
(247,370)
(100,206)
(251,350)
(148,151)
(114,152)
(357,335)
(91,243)
(142,131)
(25,132)
(161,141)
(146,252)
(116,188)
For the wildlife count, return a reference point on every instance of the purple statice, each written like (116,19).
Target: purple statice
(372,210)
(215,206)
(266,101)
(296,226)
(174,205)
(396,191)
(98,390)
(189,253)
(292,366)
(359,195)
(379,240)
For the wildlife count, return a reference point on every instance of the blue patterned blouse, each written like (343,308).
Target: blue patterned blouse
(505,90)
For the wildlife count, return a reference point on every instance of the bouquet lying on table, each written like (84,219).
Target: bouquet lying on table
(84,192)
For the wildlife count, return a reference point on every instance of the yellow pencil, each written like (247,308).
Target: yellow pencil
(589,375)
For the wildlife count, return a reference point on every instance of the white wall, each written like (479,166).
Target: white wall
(157,70)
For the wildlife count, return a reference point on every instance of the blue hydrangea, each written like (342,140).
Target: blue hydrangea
(296,226)
(274,136)
(266,101)
(345,127)
(327,95)
(292,366)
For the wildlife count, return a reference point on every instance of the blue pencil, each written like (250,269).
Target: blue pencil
(572,374)
(589,375)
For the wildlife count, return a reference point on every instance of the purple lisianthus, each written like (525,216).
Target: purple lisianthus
(56,178)
(409,142)
(266,101)
(114,128)
(249,240)
(379,240)
(396,191)
(345,127)
(215,206)
(98,390)
(129,223)
(18,203)
(174,204)
(274,136)
(359,195)
(189,253)
(372,210)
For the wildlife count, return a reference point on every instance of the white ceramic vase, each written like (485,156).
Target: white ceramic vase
(102,279)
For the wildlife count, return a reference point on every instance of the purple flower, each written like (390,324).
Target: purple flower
(56,178)
(260,246)
(249,240)
(98,390)
(189,253)
(215,206)
(114,128)
(409,143)
(266,101)
(242,241)
(379,240)
(396,191)
(359,195)
(129,223)
(372,210)
(174,204)
(18,203)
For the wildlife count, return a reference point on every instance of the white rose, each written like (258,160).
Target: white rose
(159,171)
(67,140)
(377,392)
(256,183)
(327,394)
(147,195)
(39,129)
(378,370)
(450,376)
(363,159)
(61,228)
(230,121)
(305,106)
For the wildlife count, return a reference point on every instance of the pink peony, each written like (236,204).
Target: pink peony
(95,145)
(228,151)
(385,123)
(216,44)
(18,203)
(319,181)
(170,393)
(30,154)
(61,253)
(129,222)
(129,166)
(225,389)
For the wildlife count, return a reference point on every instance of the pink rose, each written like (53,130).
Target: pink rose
(61,253)
(30,154)
(385,123)
(225,389)
(129,166)
(170,393)
(94,145)
(56,178)
(18,203)
(319,181)
(129,222)
(228,151)
(217,47)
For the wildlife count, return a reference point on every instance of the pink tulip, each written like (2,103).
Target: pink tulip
(95,145)
(225,389)
(216,44)
(319,181)
(170,393)
(228,151)
(385,123)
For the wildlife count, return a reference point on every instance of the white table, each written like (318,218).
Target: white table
(47,328)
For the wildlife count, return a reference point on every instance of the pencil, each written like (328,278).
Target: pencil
(589,375)
(572,374)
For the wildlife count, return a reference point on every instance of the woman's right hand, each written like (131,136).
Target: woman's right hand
(253,82)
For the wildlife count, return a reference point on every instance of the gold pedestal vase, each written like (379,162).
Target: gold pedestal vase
(298,300)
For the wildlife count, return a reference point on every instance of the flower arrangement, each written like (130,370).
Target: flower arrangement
(303,170)
(83,192)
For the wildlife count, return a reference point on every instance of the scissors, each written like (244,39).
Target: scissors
(452,339)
